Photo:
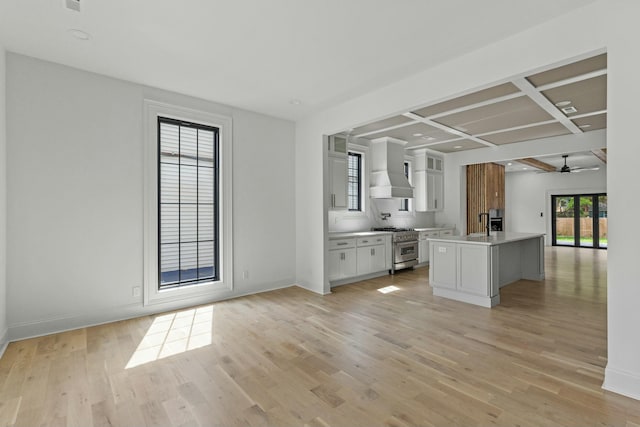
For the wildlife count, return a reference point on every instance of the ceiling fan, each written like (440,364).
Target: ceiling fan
(566,169)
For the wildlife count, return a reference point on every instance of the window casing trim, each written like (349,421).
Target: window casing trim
(199,292)
(360,159)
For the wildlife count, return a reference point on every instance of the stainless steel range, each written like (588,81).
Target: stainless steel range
(404,247)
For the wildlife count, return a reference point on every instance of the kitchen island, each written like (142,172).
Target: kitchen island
(473,268)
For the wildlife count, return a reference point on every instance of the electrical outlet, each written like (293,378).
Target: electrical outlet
(245,274)
(136,291)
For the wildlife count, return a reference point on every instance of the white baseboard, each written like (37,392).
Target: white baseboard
(359,278)
(622,382)
(48,326)
(482,301)
(307,287)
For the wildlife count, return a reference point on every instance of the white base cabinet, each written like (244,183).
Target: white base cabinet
(342,264)
(355,257)
(423,243)
(342,259)
(370,257)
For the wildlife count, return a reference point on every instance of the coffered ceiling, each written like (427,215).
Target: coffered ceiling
(570,99)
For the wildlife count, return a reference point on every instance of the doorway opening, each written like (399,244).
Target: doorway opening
(579,220)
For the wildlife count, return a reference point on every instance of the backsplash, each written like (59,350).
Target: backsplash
(342,221)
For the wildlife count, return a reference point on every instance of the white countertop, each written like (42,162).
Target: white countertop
(345,234)
(496,238)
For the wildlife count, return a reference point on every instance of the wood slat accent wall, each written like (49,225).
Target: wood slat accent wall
(485,190)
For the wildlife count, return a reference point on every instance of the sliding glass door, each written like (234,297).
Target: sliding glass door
(579,220)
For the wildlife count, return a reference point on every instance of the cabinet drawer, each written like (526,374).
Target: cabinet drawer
(426,234)
(342,243)
(371,240)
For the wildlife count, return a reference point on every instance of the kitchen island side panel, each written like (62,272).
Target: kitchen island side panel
(511,262)
(474,267)
(443,266)
(532,253)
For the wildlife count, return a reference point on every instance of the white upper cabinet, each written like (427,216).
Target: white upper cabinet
(338,182)
(429,182)
(434,164)
(337,173)
(435,190)
(337,145)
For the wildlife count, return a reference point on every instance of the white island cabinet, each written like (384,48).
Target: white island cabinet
(472,269)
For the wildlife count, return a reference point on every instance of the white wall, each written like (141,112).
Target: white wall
(75,197)
(528,194)
(602,25)
(3,206)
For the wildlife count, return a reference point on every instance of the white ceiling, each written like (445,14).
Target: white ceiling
(261,54)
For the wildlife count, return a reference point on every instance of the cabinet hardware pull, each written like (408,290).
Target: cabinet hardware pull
(373,251)
(342,256)
(342,243)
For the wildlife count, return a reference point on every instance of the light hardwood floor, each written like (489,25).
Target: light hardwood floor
(357,357)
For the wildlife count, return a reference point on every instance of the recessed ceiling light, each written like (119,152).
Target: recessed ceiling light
(524,169)
(295,102)
(79,34)
(429,138)
(457,147)
(509,164)
(584,126)
(562,103)
(417,134)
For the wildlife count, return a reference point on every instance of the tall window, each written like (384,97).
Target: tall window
(188,203)
(354,188)
(404,203)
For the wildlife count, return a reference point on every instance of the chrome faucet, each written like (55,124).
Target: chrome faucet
(480,215)
(385,215)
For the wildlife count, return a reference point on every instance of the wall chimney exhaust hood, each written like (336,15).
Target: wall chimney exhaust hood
(387,170)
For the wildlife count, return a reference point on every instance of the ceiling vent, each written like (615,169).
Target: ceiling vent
(72,5)
(569,110)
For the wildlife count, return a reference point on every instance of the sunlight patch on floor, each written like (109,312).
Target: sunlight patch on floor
(174,333)
(388,289)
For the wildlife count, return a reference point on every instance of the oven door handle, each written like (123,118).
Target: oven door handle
(405,244)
